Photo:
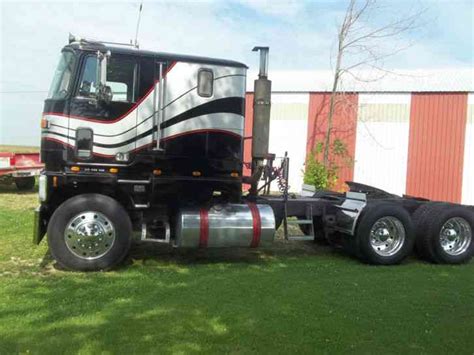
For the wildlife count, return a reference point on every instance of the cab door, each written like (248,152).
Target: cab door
(146,108)
(99,130)
(150,88)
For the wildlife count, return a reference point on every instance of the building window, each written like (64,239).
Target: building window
(205,82)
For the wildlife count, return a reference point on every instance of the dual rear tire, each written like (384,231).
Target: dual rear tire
(385,234)
(442,233)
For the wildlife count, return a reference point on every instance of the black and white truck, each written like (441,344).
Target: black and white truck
(151,144)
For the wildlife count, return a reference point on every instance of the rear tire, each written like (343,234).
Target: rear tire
(445,233)
(385,234)
(89,232)
(25,183)
(418,219)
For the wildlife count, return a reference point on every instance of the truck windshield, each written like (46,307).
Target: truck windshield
(62,76)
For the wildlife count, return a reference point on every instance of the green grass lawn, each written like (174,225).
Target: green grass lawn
(291,298)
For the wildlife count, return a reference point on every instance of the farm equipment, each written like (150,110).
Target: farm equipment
(150,144)
(20,168)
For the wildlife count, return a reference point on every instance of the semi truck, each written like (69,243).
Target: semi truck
(149,146)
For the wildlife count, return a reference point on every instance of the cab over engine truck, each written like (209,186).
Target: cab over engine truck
(139,142)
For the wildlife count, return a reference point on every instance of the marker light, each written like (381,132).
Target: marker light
(113,170)
(196,173)
(75,169)
(43,187)
(44,123)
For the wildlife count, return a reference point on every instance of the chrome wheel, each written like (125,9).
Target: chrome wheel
(89,235)
(387,236)
(455,236)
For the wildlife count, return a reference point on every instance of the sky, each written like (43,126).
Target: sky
(301,35)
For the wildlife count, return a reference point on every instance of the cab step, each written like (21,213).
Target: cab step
(300,237)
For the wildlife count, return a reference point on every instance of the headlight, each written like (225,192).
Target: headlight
(43,188)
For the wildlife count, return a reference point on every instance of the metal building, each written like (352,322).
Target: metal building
(408,133)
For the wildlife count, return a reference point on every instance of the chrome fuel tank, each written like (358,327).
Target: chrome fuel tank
(225,225)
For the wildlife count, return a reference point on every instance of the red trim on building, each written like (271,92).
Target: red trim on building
(256,224)
(344,129)
(436,145)
(204,228)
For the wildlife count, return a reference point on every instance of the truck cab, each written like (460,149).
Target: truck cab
(120,113)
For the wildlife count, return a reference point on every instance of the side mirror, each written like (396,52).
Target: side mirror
(105,94)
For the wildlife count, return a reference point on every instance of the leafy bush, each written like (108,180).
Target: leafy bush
(324,176)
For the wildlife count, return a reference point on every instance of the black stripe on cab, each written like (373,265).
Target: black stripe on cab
(225,105)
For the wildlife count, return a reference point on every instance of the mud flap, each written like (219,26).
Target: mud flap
(39,227)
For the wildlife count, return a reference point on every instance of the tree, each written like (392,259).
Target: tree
(361,45)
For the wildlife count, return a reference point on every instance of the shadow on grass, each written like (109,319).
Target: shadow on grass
(151,255)
(147,252)
(6,188)
(98,313)
(161,300)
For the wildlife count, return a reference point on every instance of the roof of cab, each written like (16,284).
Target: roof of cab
(94,46)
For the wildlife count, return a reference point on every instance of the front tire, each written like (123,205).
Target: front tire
(89,232)
(384,234)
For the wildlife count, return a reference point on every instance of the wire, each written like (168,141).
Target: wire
(22,92)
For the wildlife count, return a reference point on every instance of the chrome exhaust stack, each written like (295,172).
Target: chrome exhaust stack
(261,118)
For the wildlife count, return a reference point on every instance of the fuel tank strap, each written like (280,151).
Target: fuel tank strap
(204,228)
(257,224)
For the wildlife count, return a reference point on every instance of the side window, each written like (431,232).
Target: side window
(205,82)
(147,76)
(121,78)
(88,85)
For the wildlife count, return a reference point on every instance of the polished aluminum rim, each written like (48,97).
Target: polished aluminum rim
(387,236)
(455,236)
(89,235)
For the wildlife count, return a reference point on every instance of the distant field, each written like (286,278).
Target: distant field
(18,149)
